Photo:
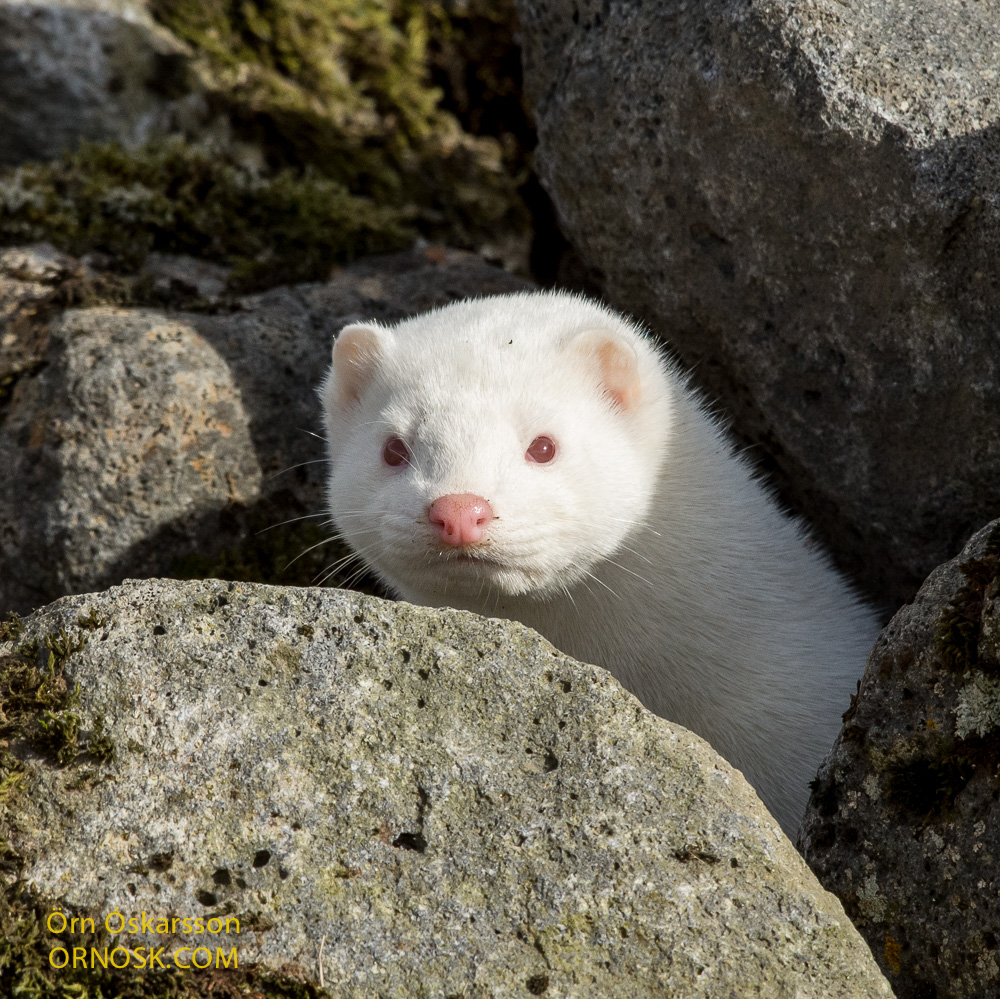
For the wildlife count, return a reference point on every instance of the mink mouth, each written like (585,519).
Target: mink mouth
(482,561)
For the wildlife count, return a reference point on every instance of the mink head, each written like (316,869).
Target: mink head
(497,446)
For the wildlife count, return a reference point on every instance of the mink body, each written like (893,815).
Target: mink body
(638,541)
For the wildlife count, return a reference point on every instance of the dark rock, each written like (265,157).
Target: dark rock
(904,821)
(803,200)
(97,70)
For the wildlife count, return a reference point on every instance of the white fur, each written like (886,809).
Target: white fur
(646,546)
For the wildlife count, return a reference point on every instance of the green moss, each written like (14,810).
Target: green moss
(101,747)
(358,152)
(173,197)
(825,796)
(57,735)
(11,627)
(958,634)
(925,787)
(957,640)
(37,706)
(348,88)
(91,621)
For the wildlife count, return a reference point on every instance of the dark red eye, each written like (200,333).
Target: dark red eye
(395,452)
(541,450)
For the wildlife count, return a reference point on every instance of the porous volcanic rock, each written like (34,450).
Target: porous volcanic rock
(130,425)
(803,199)
(143,442)
(417,802)
(96,70)
(904,821)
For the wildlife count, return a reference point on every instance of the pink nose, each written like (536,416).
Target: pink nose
(460,519)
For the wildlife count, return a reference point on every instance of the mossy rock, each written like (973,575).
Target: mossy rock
(174,197)
(354,151)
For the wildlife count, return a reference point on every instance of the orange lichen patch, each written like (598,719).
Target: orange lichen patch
(38,427)
(893,954)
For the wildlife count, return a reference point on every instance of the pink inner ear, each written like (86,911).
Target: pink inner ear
(356,354)
(617,366)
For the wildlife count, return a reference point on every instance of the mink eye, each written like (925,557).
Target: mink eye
(396,452)
(541,450)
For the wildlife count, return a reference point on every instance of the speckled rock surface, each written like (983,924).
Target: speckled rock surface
(26,279)
(146,442)
(132,424)
(96,70)
(904,824)
(444,802)
(803,199)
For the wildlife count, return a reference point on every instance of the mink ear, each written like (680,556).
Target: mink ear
(614,361)
(356,355)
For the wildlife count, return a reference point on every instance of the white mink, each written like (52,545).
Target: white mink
(637,541)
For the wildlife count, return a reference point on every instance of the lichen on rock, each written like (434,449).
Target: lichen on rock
(904,821)
(399,802)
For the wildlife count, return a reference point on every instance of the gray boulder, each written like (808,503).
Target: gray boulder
(904,822)
(391,800)
(132,425)
(146,442)
(97,70)
(802,198)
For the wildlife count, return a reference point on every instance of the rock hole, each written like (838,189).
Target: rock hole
(222,877)
(261,857)
(206,898)
(410,841)
(159,630)
(537,985)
